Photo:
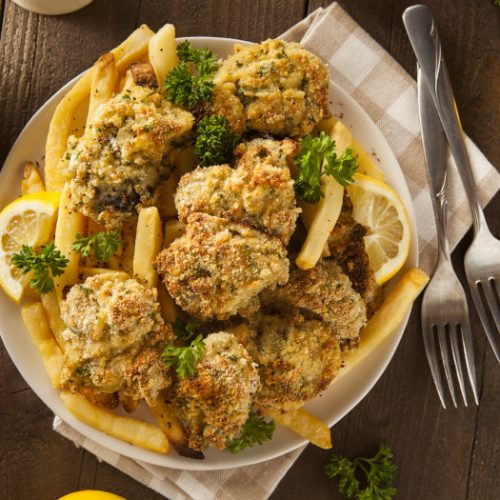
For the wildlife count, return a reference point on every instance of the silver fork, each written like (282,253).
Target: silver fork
(482,260)
(445,313)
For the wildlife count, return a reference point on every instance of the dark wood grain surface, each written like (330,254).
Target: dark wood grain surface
(453,454)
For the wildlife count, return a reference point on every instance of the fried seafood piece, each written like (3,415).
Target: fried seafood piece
(323,292)
(114,338)
(259,191)
(119,163)
(274,87)
(347,248)
(297,359)
(214,404)
(218,268)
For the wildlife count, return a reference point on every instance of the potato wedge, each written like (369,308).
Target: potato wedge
(38,327)
(128,429)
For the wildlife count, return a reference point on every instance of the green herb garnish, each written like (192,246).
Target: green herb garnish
(190,82)
(104,244)
(185,330)
(45,265)
(378,471)
(184,358)
(215,141)
(317,157)
(256,430)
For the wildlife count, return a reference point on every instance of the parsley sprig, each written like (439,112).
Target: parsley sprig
(49,262)
(184,358)
(104,244)
(256,430)
(186,331)
(318,157)
(378,471)
(215,141)
(190,82)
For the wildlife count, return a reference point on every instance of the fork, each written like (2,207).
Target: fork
(482,260)
(445,312)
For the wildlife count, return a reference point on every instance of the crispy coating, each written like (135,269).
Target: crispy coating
(259,191)
(120,161)
(214,404)
(297,359)
(347,248)
(218,268)
(114,337)
(274,87)
(323,292)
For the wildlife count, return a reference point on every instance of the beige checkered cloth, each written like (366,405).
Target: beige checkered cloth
(372,77)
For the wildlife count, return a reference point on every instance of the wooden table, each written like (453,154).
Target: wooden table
(451,454)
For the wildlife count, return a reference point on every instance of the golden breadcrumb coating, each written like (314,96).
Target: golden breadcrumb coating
(214,404)
(218,268)
(259,191)
(114,338)
(274,87)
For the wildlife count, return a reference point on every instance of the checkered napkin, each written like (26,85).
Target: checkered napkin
(388,94)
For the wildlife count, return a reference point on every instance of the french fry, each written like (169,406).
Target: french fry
(173,230)
(69,223)
(305,425)
(166,204)
(32,182)
(128,429)
(103,84)
(327,209)
(38,327)
(172,428)
(132,49)
(167,305)
(163,51)
(365,164)
(387,317)
(147,245)
(53,312)
(128,237)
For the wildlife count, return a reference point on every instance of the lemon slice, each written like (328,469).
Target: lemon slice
(29,220)
(378,207)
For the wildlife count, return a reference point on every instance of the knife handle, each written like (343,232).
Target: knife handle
(424,38)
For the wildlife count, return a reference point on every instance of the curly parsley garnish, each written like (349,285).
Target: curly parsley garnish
(185,330)
(45,265)
(215,141)
(378,471)
(104,244)
(256,430)
(190,82)
(317,157)
(184,359)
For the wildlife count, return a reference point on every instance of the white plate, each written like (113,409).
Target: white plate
(331,406)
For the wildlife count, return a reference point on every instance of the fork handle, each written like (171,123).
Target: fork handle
(424,38)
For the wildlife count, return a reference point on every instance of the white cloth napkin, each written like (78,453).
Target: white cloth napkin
(381,86)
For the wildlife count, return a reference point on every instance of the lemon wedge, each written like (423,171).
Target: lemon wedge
(29,220)
(378,207)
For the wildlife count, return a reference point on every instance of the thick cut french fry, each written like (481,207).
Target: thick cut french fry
(38,327)
(132,49)
(87,272)
(166,204)
(32,182)
(104,83)
(147,245)
(173,230)
(53,313)
(69,224)
(128,238)
(163,52)
(167,305)
(387,317)
(305,425)
(365,164)
(172,428)
(128,429)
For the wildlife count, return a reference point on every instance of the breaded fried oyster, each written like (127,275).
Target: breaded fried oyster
(214,404)
(274,87)
(114,338)
(322,292)
(217,268)
(297,359)
(259,191)
(124,154)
